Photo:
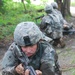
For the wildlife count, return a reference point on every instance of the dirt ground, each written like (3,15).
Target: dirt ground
(66,55)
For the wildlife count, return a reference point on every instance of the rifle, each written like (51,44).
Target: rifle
(39,17)
(67,32)
(25,61)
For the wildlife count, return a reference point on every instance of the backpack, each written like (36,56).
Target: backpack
(55,21)
(56,26)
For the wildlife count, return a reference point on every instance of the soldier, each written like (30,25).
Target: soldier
(52,27)
(66,25)
(42,57)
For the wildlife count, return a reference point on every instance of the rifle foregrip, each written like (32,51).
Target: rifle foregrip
(32,71)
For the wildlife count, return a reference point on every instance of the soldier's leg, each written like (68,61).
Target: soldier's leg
(56,41)
(61,42)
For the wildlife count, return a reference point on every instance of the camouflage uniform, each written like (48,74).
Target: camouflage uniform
(45,57)
(66,25)
(56,11)
(51,24)
(51,28)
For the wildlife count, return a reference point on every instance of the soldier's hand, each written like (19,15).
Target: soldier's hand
(19,69)
(38,72)
(65,25)
(26,72)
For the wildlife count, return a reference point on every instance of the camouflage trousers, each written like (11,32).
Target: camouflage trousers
(59,41)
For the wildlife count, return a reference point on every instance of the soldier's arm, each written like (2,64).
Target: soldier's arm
(45,25)
(9,62)
(48,62)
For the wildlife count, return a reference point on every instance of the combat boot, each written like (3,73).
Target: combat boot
(62,43)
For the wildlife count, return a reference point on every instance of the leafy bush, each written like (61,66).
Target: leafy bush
(14,14)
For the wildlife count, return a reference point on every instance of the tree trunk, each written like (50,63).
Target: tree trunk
(23,4)
(64,7)
(60,5)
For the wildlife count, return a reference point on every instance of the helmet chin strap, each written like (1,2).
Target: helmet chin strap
(27,41)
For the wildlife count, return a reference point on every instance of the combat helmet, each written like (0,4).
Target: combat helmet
(54,5)
(48,8)
(27,33)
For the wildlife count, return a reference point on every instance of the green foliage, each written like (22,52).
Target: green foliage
(72,3)
(72,71)
(28,1)
(6,5)
(6,31)
(14,14)
(1,6)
